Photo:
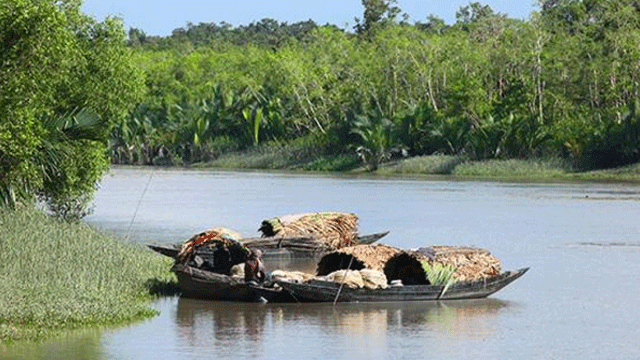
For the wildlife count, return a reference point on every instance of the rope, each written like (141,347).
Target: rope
(138,207)
(344,279)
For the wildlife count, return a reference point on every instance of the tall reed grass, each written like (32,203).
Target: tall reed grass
(57,276)
(424,165)
(513,169)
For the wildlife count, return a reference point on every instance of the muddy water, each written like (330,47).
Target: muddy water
(580,300)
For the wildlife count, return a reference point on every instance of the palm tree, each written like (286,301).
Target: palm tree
(71,159)
(376,139)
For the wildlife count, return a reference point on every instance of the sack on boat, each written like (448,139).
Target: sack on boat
(357,257)
(350,278)
(295,276)
(237,271)
(334,229)
(373,279)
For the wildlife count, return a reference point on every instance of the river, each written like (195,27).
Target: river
(579,300)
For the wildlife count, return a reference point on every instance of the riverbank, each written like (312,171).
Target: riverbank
(456,167)
(57,276)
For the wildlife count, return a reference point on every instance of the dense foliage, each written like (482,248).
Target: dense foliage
(76,92)
(65,81)
(563,83)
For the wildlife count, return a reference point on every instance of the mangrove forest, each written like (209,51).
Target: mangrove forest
(78,94)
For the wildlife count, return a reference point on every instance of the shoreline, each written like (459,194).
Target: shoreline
(433,167)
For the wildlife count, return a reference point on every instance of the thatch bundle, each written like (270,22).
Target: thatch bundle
(406,265)
(335,230)
(469,263)
(356,258)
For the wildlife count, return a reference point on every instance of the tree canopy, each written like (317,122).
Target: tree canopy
(66,81)
(563,83)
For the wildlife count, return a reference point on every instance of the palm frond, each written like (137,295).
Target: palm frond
(78,124)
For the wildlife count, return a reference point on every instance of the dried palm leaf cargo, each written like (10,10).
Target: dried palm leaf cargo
(335,230)
(469,263)
(356,258)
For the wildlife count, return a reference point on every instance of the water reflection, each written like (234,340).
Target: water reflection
(223,326)
(233,325)
(77,345)
(580,237)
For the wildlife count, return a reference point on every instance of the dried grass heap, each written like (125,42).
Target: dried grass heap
(360,257)
(333,229)
(469,263)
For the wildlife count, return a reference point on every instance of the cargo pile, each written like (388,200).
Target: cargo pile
(413,267)
(468,263)
(334,230)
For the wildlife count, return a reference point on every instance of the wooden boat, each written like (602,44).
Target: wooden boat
(207,285)
(327,291)
(274,247)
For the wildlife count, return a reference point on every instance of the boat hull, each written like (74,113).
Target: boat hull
(326,291)
(207,285)
(201,284)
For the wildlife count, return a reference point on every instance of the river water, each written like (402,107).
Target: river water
(579,300)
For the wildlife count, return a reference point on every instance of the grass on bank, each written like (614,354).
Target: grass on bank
(291,157)
(457,167)
(534,169)
(57,276)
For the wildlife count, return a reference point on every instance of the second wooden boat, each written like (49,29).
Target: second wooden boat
(328,291)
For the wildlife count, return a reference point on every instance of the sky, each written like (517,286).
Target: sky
(161,17)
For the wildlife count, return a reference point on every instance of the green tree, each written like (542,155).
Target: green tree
(53,61)
(377,14)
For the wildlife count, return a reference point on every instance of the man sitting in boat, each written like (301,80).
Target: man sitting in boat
(254,270)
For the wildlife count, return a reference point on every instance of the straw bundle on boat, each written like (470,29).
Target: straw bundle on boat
(469,263)
(333,229)
(356,258)
(394,263)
